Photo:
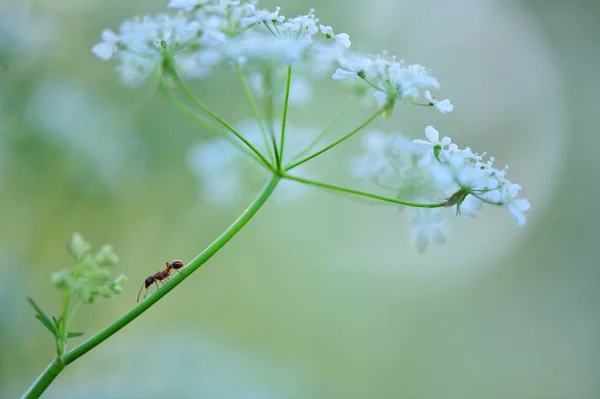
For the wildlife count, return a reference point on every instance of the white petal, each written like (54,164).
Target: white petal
(342,74)
(516,214)
(109,36)
(343,39)
(522,204)
(327,30)
(445,141)
(422,143)
(432,134)
(103,50)
(444,106)
(429,97)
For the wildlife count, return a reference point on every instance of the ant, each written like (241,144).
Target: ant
(160,276)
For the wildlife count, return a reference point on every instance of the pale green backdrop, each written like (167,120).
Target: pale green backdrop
(323,298)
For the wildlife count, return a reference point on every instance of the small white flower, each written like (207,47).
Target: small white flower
(433,137)
(515,206)
(382,73)
(413,77)
(301,25)
(443,106)
(261,16)
(108,46)
(343,39)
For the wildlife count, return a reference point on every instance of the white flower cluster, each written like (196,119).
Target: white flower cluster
(467,179)
(436,170)
(388,79)
(201,34)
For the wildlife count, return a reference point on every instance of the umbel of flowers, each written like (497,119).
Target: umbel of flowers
(264,49)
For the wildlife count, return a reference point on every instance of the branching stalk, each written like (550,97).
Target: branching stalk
(285,110)
(322,134)
(220,120)
(362,193)
(338,141)
(254,107)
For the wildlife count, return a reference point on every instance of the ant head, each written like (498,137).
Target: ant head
(177,264)
(148,282)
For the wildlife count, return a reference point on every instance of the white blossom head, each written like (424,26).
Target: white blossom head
(201,34)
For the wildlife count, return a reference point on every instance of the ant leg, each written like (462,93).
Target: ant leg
(179,272)
(138,297)
(157,287)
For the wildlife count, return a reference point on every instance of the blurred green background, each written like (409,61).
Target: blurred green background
(325,297)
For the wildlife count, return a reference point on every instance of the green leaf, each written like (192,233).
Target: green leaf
(41,316)
(47,324)
(37,308)
(74,334)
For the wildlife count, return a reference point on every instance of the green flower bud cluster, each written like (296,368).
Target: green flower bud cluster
(91,277)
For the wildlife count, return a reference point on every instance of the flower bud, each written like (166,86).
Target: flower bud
(61,279)
(106,256)
(78,246)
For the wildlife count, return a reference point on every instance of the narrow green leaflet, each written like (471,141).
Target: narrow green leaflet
(41,316)
(74,335)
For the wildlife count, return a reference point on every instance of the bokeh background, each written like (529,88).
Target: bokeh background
(323,297)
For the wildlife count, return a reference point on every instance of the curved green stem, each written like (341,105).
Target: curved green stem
(44,380)
(285,110)
(50,373)
(220,120)
(362,193)
(338,141)
(254,107)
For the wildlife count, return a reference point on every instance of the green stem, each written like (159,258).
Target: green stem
(220,120)
(44,380)
(72,316)
(254,107)
(285,110)
(269,111)
(62,341)
(323,132)
(363,193)
(338,141)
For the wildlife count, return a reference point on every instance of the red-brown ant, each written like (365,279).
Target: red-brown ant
(160,276)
